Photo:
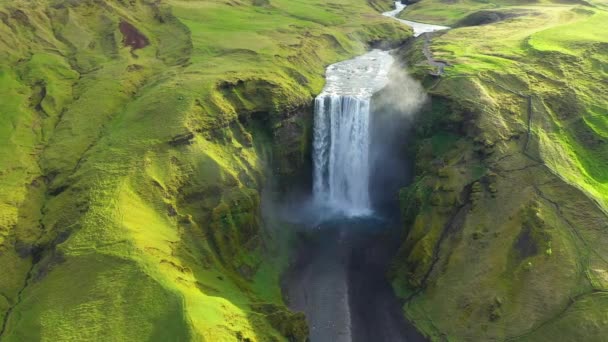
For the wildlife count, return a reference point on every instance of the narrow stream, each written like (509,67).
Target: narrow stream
(339,277)
(419,28)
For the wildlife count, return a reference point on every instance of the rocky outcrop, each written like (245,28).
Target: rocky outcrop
(292,141)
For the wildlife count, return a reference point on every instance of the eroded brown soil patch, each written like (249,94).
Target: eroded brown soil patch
(132,37)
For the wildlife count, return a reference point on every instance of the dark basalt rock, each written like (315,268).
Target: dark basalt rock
(182,139)
(290,324)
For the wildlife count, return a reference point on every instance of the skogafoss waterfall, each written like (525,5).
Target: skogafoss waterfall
(342,143)
(342,132)
(338,278)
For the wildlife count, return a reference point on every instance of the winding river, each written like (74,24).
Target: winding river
(419,28)
(338,278)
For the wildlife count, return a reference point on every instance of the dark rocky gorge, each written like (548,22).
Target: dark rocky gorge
(339,273)
(339,279)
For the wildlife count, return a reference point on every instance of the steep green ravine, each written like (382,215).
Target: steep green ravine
(513,136)
(136,137)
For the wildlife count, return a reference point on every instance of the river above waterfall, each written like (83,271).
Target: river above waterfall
(361,76)
(419,28)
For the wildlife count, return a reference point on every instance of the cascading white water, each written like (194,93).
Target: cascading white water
(342,135)
(342,143)
(341,128)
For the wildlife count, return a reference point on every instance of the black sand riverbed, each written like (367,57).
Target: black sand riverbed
(338,279)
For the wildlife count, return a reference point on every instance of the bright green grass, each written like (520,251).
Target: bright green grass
(453,12)
(438,12)
(141,239)
(568,30)
(574,36)
(556,54)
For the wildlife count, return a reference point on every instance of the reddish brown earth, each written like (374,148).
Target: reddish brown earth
(132,37)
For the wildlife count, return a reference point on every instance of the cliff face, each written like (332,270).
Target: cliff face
(506,221)
(136,137)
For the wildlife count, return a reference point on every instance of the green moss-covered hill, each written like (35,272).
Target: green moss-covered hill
(135,136)
(507,221)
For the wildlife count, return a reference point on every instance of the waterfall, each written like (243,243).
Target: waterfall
(341,138)
(341,151)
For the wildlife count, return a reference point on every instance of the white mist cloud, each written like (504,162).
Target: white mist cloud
(403,95)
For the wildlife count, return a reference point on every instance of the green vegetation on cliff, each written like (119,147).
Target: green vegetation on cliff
(506,222)
(135,139)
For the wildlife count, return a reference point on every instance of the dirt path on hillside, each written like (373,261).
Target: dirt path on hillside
(429,55)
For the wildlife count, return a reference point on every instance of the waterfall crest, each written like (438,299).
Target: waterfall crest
(341,132)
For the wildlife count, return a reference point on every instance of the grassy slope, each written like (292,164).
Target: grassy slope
(507,220)
(129,191)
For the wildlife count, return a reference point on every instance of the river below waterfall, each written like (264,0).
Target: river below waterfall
(339,281)
(339,274)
